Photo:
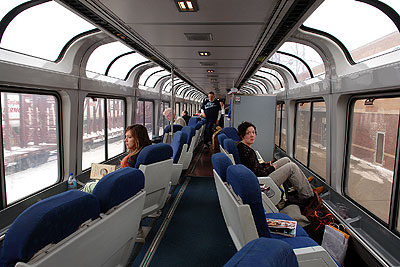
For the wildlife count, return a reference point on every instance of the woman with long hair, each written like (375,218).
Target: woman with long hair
(136,138)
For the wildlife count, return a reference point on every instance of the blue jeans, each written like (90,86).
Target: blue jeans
(208,131)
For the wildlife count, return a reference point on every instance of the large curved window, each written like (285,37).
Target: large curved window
(351,22)
(152,79)
(296,66)
(308,54)
(271,75)
(43,30)
(147,73)
(103,55)
(121,66)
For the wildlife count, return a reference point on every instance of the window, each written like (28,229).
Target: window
(94,129)
(177,108)
(30,128)
(372,153)
(278,118)
(144,115)
(163,121)
(310,140)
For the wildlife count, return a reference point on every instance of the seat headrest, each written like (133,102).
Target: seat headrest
(47,221)
(118,186)
(221,137)
(177,143)
(221,163)
(154,153)
(198,125)
(230,147)
(266,252)
(245,184)
(176,127)
(231,132)
(190,131)
(193,121)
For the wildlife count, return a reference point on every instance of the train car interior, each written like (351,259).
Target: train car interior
(318,80)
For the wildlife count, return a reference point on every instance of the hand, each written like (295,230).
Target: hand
(275,165)
(216,122)
(203,115)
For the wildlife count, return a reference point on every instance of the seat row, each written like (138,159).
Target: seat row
(245,215)
(75,228)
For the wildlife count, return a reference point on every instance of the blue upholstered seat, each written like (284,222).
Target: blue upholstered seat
(193,121)
(177,143)
(245,184)
(154,153)
(220,164)
(264,252)
(221,137)
(198,125)
(231,132)
(190,131)
(118,186)
(230,147)
(167,129)
(47,221)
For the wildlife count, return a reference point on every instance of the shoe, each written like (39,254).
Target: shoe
(319,189)
(310,178)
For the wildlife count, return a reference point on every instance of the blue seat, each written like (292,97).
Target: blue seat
(220,164)
(198,125)
(167,129)
(193,121)
(230,147)
(264,252)
(155,161)
(179,148)
(190,132)
(221,137)
(118,186)
(231,132)
(47,221)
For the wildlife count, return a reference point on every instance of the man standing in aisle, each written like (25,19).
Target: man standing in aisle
(211,110)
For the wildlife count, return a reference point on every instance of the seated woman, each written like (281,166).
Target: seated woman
(136,138)
(280,171)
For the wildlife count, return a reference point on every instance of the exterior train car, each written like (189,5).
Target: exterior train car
(75,73)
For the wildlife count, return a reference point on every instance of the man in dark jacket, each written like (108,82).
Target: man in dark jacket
(211,110)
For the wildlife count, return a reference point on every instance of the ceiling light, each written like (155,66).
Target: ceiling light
(210,71)
(187,6)
(204,53)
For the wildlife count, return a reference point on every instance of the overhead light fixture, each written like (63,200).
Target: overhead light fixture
(204,53)
(210,71)
(187,6)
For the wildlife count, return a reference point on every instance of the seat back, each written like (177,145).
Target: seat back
(190,132)
(47,221)
(245,184)
(118,186)
(221,162)
(221,137)
(178,141)
(265,252)
(231,132)
(155,161)
(167,129)
(193,121)
(230,147)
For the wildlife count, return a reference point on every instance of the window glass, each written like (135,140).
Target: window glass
(363,37)
(7,6)
(151,82)
(102,56)
(302,131)
(318,139)
(259,84)
(148,119)
(93,150)
(177,108)
(116,126)
(147,73)
(30,143)
(283,131)
(295,65)
(31,33)
(308,54)
(139,112)
(277,123)
(120,68)
(373,153)
(272,75)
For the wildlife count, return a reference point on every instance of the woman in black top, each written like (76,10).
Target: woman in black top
(279,171)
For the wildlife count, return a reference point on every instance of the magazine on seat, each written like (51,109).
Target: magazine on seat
(97,170)
(282,227)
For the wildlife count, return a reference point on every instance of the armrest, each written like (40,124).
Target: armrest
(176,173)
(276,197)
(314,256)
(269,207)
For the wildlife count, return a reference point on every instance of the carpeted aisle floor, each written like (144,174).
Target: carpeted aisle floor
(196,235)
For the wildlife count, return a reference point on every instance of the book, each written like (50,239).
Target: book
(282,227)
(98,171)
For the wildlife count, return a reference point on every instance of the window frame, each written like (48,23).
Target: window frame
(394,211)
(144,114)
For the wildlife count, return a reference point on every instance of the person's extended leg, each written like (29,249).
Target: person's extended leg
(292,172)
(208,132)
(282,161)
